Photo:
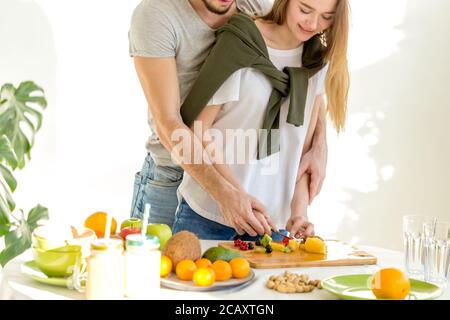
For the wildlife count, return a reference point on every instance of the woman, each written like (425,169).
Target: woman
(271,74)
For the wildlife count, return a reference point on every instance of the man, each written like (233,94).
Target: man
(169,41)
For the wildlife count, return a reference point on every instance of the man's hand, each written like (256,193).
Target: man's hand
(265,219)
(244,213)
(299,227)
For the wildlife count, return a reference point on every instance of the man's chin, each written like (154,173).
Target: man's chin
(220,10)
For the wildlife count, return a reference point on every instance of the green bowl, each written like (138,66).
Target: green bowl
(58,262)
(47,244)
(46,239)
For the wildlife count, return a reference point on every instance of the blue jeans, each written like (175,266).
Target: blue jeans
(156,185)
(187,219)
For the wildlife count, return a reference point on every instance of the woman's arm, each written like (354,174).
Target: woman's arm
(215,152)
(298,224)
(314,160)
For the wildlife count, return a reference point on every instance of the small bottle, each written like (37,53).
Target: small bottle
(106,270)
(142,267)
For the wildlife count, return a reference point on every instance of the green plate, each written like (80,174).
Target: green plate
(355,287)
(31,269)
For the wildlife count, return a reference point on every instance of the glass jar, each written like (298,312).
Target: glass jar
(142,267)
(106,270)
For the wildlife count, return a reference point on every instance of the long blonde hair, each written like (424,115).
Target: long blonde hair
(336,40)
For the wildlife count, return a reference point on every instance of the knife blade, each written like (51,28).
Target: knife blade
(282,235)
(286,238)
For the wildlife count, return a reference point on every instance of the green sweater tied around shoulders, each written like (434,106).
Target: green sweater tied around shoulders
(239,44)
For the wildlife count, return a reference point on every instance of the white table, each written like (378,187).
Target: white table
(15,285)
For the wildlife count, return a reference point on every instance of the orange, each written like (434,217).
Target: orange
(203,263)
(222,269)
(97,222)
(185,269)
(166,266)
(315,245)
(204,277)
(240,268)
(390,283)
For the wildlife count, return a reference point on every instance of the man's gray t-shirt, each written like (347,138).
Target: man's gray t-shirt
(172,28)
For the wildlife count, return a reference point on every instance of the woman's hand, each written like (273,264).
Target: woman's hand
(299,227)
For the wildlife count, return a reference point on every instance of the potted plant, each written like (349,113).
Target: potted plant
(20,119)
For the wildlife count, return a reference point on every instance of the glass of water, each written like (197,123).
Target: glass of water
(436,252)
(413,236)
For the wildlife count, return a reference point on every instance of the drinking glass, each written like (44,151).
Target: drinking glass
(436,253)
(413,236)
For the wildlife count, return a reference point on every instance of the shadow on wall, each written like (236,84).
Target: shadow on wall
(405,100)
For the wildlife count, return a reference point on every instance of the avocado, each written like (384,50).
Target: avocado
(217,253)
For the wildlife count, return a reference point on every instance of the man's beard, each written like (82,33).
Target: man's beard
(214,9)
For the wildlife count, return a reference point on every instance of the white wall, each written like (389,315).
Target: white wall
(94,130)
(391,160)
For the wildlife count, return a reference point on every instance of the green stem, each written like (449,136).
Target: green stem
(15,218)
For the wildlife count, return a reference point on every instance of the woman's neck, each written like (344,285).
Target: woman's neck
(277,36)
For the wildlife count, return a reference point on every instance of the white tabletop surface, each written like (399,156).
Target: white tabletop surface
(16,285)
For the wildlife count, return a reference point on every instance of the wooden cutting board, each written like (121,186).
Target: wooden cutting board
(339,254)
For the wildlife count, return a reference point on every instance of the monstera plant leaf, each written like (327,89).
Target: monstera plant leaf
(20,119)
(8,183)
(19,240)
(7,204)
(21,116)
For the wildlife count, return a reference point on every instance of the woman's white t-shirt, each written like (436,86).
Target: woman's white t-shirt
(271,180)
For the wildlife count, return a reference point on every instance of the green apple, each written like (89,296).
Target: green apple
(132,223)
(162,231)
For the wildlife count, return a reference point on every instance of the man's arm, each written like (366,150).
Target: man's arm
(314,161)
(158,78)
(207,118)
